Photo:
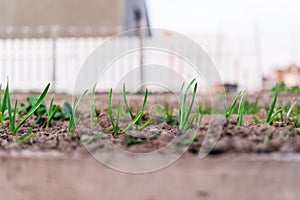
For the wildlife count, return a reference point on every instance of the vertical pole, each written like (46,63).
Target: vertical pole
(53,64)
(141,40)
(258,52)
(219,45)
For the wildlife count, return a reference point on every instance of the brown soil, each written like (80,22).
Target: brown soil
(250,138)
(55,137)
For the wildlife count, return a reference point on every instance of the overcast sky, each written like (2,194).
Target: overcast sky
(277,21)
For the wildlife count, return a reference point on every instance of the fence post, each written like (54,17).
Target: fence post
(53,64)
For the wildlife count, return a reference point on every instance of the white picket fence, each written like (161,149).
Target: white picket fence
(29,63)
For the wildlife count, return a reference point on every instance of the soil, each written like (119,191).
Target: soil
(55,137)
(250,138)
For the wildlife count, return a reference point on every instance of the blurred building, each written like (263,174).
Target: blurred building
(69,18)
(290,76)
(45,41)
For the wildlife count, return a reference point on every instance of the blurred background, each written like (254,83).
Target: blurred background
(254,44)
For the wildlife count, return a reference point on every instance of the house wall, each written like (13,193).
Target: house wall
(62,18)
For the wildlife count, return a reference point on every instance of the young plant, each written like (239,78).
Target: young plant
(3,104)
(25,137)
(184,110)
(166,113)
(229,111)
(142,111)
(282,87)
(290,115)
(73,119)
(51,112)
(92,138)
(130,140)
(67,111)
(257,120)
(126,103)
(12,113)
(270,116)
(134,121)
(199,116)
(251,108)
(139,127)
(241,109)
(93,107)
(41,110)
(290,110)
(289,134)
(115,124)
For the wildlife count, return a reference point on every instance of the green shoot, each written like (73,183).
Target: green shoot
(130,140)
(139,127)
(115,124)
(92,138)
(93,107)
(11,118)
(290,133)
(166,113)
(241,109)
(33,109)
(118,114)
(73,121)
(42,109)
(67,110)
(191,120)
(126,103)
(3,106)
(0,93)
(28,134)
(297,122)
(274,116)
(184,110)
(199,116)
(51,112)
(272,107)
(145,123)
(229,112)
(12,113)
(291,109)
(136,108)
(133,122)
(14,129)
(257,120)
(144,103)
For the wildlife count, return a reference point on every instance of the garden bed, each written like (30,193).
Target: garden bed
(252,137)
(251,160)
